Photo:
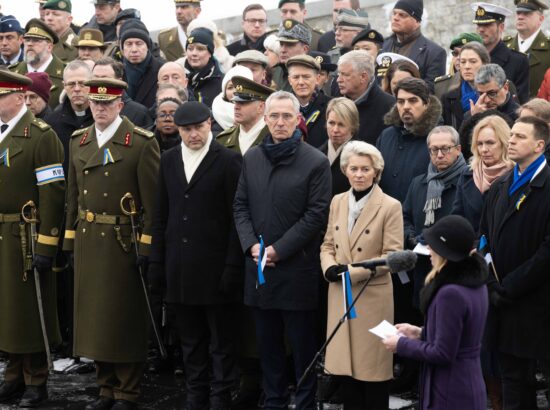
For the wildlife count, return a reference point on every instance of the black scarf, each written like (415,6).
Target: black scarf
(471,272)
(134,74)
(195,76)
(277,152)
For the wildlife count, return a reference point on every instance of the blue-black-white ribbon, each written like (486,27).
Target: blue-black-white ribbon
(262,260)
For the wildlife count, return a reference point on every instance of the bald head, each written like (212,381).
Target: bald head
(172,73)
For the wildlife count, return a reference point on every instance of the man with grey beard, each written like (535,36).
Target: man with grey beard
(38,42)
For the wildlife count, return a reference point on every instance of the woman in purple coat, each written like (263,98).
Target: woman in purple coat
(454,302)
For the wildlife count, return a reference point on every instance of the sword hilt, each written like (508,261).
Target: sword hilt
(29,212)
(129,198)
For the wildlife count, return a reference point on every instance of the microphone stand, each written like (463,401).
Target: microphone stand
(338,325)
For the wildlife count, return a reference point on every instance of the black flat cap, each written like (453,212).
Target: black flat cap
(368,35)
(324,60)
(192,112)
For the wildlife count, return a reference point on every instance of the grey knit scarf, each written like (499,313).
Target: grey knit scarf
(437,183)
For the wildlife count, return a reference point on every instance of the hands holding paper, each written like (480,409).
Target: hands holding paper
(401,330)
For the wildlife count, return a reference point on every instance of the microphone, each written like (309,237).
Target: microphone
(398,261)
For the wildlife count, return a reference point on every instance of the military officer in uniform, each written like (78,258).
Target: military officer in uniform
(249,100)
(111,325)
(90,44)
(531,40)
(58,17)
(172,40)
(38,41)
(489,20)
(30,169)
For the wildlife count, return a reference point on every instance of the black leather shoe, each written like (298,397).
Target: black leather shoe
(9,391)
(101,403)
(124,405)
(34,396)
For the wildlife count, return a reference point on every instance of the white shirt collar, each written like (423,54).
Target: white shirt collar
(246,139)
(42,68)
(182,36)
(526,44)
(11,123)
(104,136)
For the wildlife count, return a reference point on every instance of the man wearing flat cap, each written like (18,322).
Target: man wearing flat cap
(349,23)
(172,40)
(11,41)
(249,100)
(295,39)
(90,44)
(57,15)
(296,10)
(110,158)
(303,75)
(407,39)
(104,17)
(531,40)
(196,257)
(38,41)
(489,20)
(256,62)
(30,169)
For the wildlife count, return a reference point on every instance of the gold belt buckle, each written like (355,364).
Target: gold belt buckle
(90,216)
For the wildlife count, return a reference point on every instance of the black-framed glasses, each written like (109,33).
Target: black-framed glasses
(493,94)
(166,115)
(443,150)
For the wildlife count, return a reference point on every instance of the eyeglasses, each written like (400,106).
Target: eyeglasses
(344,30)
(455,53)
(166,115)
(73,84)
(443,150)
(261,22)
(492,94)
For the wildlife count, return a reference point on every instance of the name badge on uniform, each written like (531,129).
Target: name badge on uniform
(48,174)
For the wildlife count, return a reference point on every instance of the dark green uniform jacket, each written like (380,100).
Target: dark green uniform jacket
(230,138)
(170,45)
(110,320)
(539,59)
(64,49)
(30,169)
(54,70)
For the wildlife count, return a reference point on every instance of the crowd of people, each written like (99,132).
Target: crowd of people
(204,206)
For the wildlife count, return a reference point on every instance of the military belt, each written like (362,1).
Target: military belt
(103,219)
(7,218)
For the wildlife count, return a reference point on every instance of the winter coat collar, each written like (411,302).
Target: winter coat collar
(472,272)
(424,125)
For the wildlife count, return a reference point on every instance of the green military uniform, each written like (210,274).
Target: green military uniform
(539,59)
(65,49)
(111,324)
(445,83)
(36,28)
(169,43)
(30,169)
(230,138)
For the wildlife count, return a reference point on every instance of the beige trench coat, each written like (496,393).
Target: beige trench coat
(355,351)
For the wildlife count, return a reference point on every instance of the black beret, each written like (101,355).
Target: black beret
(368,35)
(191,112)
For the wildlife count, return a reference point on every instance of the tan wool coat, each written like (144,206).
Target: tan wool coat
(355,351)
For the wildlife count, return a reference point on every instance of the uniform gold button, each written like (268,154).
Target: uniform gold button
(105,194)
(83,230)
(106,173)
(103,234)
(86,172)
(85,191)
(1,238)
(104,213)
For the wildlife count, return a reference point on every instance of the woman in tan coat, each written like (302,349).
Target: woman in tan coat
(364,224)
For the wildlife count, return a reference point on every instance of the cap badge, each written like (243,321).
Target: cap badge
(33,30)
(464,41)
(372,35)
(102,90)
(288,24)
(319,59)
(480,11)
(386,61)
(190,40)
(239,88)
(443,238)
(88,36)
(62,5)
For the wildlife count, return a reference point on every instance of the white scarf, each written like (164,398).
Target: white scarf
(332,153)
(104,136)
(246,139)
(355,208)
(193,158)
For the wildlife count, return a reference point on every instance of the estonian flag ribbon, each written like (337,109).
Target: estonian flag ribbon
(348,296)
(262,260)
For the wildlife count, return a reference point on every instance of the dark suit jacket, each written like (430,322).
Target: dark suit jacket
(194,235)
(372,109)
(516,67)
(340,182)
(147,89)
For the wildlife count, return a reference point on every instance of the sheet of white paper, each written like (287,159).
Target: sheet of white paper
(421,249)
(384,329)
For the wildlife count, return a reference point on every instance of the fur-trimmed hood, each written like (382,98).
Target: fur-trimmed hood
(471,272)
(424,125)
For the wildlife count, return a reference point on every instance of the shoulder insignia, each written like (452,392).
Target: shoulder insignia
(145,133)
(165,30)
(70,39)
(41,124)
(507,38)
(79,132)
(443,77)
(127,139)
(26,132)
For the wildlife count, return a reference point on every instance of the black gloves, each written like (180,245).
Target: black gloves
(498,297)
(143,263)
(232,282)
(332,273)
(156,278)
(41,263)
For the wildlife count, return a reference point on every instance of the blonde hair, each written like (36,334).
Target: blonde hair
(435,270)
(346,110)
(502,132)
(365,149)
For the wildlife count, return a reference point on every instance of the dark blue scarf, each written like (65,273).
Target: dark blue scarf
(526,176)
(277,152)
(467,93)
(134,74)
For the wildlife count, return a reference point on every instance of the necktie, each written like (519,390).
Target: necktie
(3,128)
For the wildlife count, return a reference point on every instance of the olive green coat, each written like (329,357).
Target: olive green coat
(110,315)
(54,70)
(230,138)
(64,49)
(539,59)
(169,43)
(30,145)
